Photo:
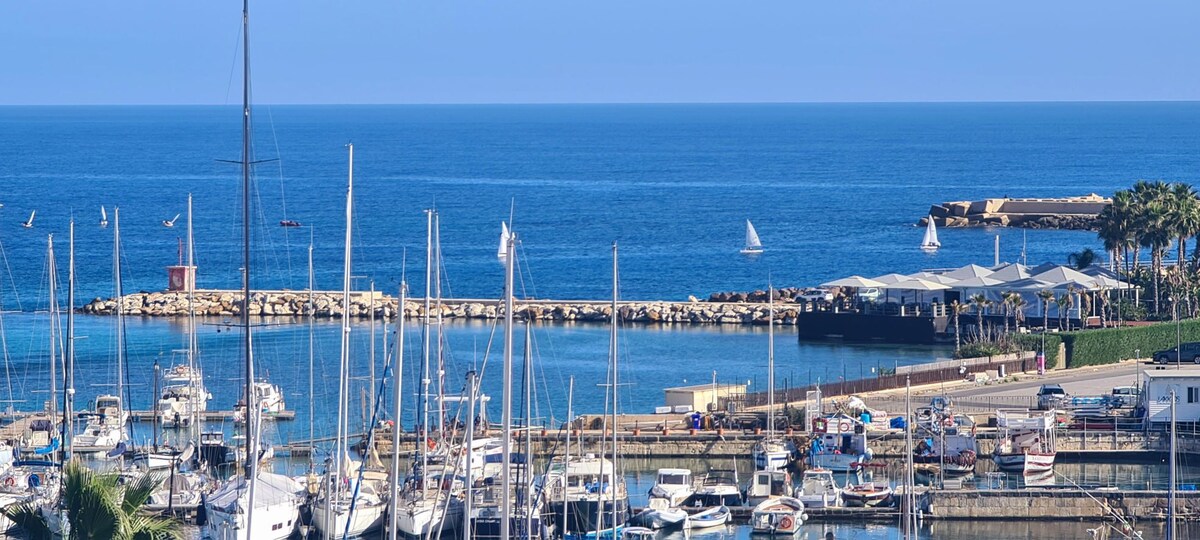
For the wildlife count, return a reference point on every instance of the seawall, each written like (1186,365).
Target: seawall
(326,304)
(1057,213)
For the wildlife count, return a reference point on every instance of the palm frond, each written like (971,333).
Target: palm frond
(26,516)
(137,493)
(144,527)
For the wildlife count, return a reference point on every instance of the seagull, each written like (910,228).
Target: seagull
(171,222)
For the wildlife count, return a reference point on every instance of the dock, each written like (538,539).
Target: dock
(212,416)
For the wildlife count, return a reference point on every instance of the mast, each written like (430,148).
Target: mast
(612,481)
(371,348)
(1171,475)
(770,367)
(506,407)
(120,312)
(67,436)
(469,453)
(527,504)
(397,396)
(53,271)
(423,392)
(441,362)
(343,371)
(312,317)
(567,452)
(252,407)
(192,340)
(910,510)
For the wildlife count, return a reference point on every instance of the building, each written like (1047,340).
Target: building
(1157,385)
(703,397)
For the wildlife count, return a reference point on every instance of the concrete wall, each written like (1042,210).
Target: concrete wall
(1055,504)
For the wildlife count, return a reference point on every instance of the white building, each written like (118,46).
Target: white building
(1156,394)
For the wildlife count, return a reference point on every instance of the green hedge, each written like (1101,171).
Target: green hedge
(1110,345)
(1033,342)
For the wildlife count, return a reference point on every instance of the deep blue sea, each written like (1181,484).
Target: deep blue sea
(833,190)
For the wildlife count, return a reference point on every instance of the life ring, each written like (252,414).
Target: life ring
(10,481)
(820,425)
(844,425)
(430,443)
(785,522)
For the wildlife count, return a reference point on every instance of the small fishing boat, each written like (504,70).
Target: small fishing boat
(718,488)
(818,489)
(289,223)
(930,241)
(753,244)
(782,516)
(947,441)
(706,518)
(1026,443)
(840,444)
(28,224)
(168,223)
(767,485)
(637,533)
(659,518)
(866,493)
(672,489)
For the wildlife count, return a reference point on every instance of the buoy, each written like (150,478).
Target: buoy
(844,425)
(785,522)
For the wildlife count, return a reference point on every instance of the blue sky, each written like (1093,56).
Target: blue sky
(538,51)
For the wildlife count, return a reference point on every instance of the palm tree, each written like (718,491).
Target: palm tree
(1046,295)
(99,507)
(1152,225)
(1184,219)
(957,308)
(1006,301)
(1018,304)
(980,302)
(1082,259)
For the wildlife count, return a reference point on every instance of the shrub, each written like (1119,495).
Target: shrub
(1110,345)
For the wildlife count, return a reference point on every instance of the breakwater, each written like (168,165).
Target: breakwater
(1062,213)
(325,304)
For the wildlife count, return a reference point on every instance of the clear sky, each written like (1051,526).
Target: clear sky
(569,51)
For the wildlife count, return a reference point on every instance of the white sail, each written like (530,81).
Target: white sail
(753,244)
(103,215)
(29,223)
(502,251)
(931,239)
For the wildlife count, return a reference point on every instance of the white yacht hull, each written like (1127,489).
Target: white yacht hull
(1025,463)
(368,517)
(272,522)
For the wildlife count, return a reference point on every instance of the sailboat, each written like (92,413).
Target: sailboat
(772,453)
(352,503)
(28,224)
(753,244)
(254,504)
(184,397)
(502,251)
(930,242)
(105,428)
(168,223)
(103,217)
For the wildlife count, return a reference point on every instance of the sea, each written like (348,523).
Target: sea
(832,189)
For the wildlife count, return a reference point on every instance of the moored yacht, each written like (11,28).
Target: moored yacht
(765,485)
(105,428)
(1026,441)
(818,489)
(718,488)
(583,487)
(778,516)
(183,396)
(840,444)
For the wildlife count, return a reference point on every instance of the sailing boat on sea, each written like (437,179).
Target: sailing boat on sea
(253,504)
(930,241)
(753,244)
(28,224)
(103,217)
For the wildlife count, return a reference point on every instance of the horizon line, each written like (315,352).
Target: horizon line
(556,103)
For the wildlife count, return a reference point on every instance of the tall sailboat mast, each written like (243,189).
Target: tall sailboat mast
(344,369)
(69,357)
(770,362)
(252,406)
(190,276)
(506,408)
(312,317)
(423,390)
(53,271)
(616,318)
(397,396)
(120,294)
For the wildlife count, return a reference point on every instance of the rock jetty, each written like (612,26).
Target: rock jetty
(1077,213)
(329,304)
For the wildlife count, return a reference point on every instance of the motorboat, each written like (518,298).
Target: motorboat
(270,402)
(718,488)
(818,489)
(105,428)
(289,223)
(1026,441)
(183,396)
(766,485)
(672,489)
(582,488)
(946,440)
(656,519)
(778,516)
(163,458)
(840,444)
(41,437)
(773,453)
(707,518)
(866,493)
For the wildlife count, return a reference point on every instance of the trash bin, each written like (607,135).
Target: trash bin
(1002,372)
(696,420)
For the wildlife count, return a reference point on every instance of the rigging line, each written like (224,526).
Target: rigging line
(237,46)
(287,246)
(8,271)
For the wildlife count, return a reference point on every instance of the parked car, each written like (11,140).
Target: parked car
(869,294)
(1051,396)
(817,295)
(1189,351)
(1124,396)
